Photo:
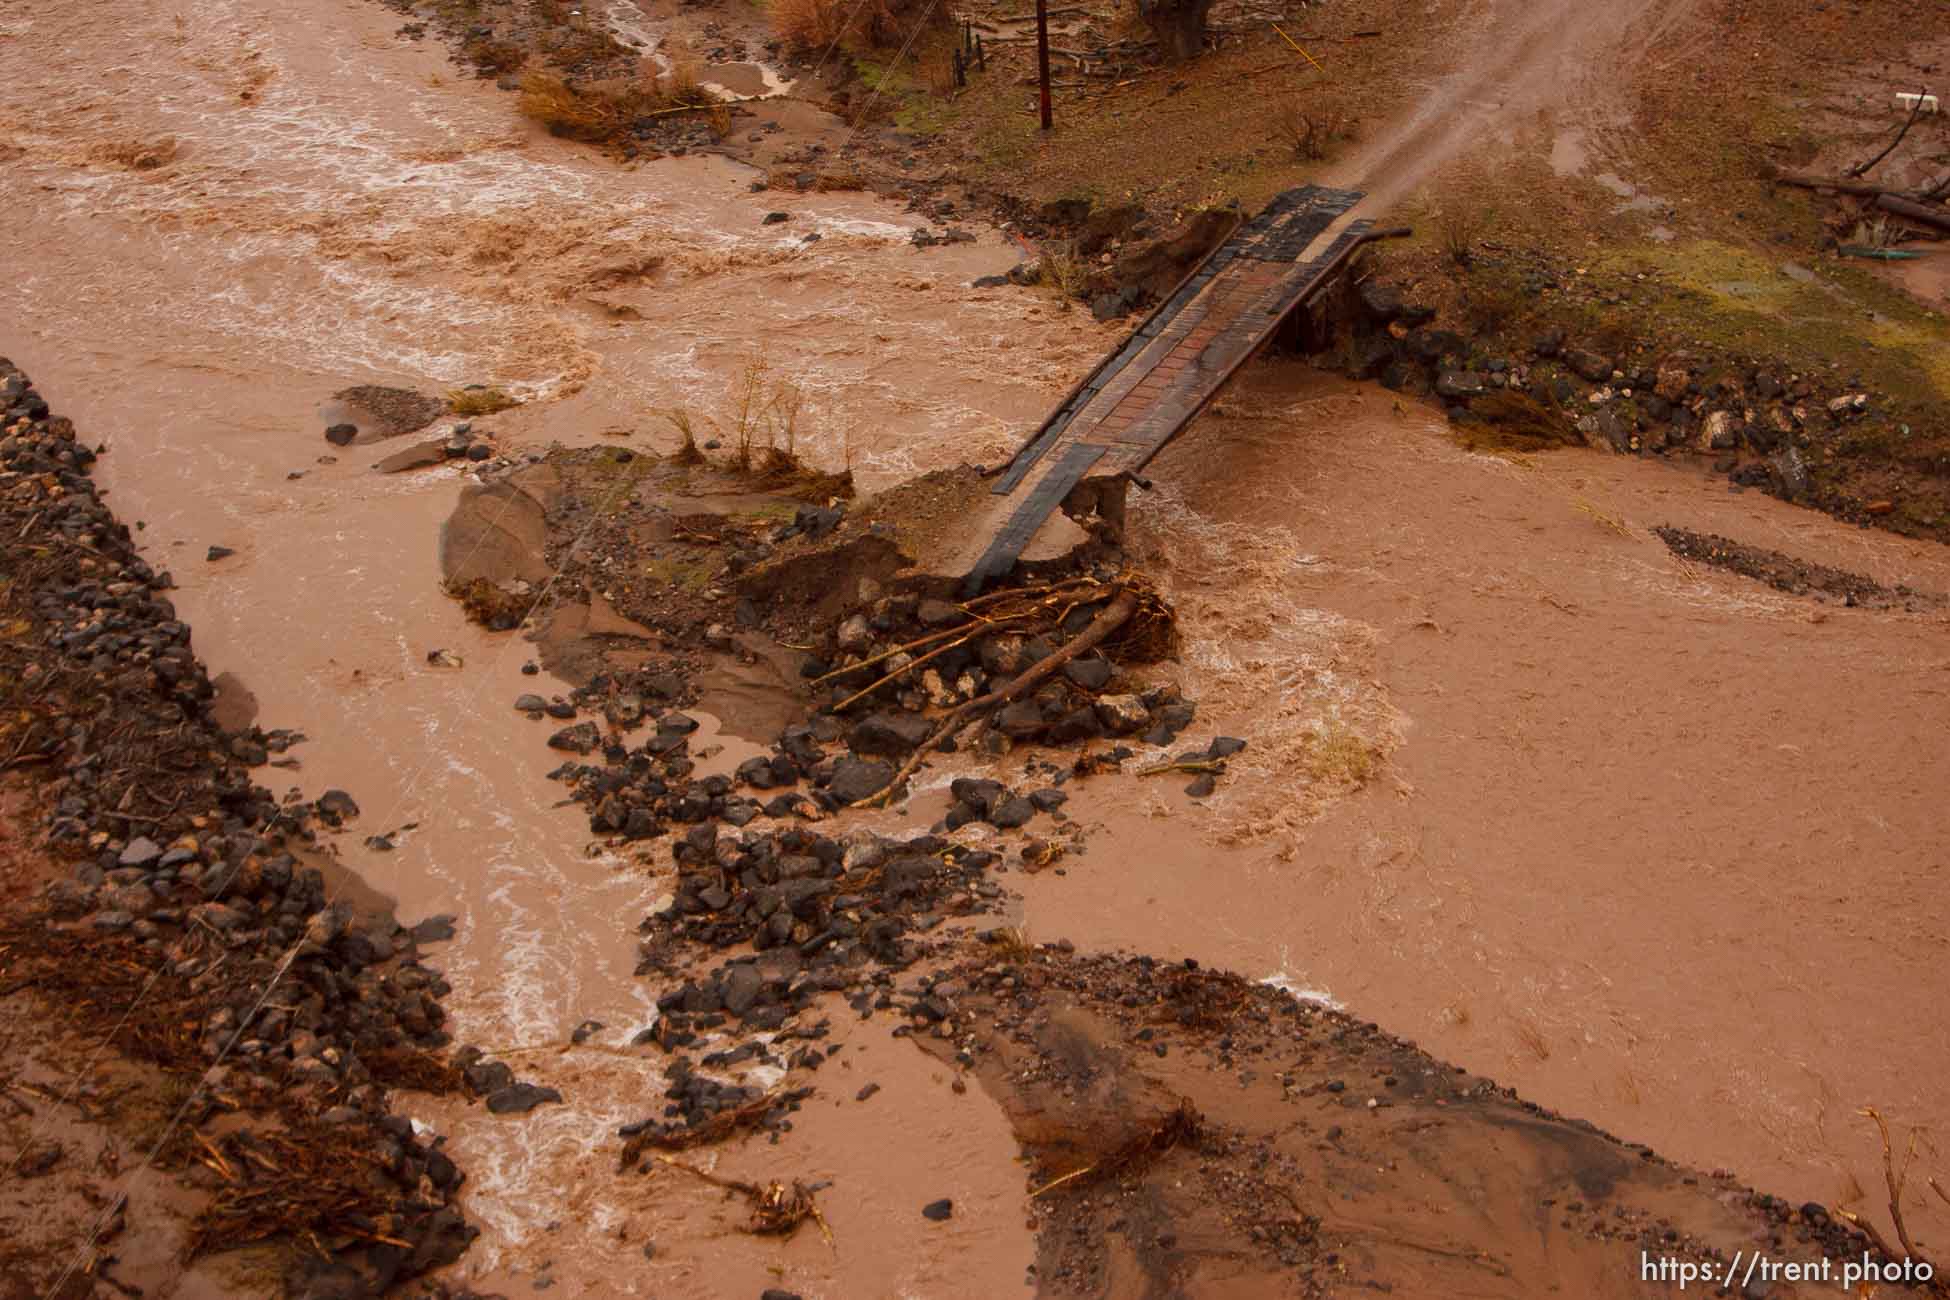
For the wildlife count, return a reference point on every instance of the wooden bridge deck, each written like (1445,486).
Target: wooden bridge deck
(1142,395)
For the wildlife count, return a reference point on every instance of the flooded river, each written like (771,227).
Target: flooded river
(1656,847)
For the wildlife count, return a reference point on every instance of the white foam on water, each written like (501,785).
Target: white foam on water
(1287,984)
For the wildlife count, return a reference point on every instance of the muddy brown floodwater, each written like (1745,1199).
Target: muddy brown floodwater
(336,207)
(1657,846)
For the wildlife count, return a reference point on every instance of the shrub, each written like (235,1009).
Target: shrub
(571,111)
(1459,227)
(1063,271)
(808,24)
(689,453)
(596,112)
(476,400)
(492,58)
(1294,126)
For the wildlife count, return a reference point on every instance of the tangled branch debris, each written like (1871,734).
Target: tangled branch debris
(720,1125)
(1895,1179)
(777,1208)
(1127,596)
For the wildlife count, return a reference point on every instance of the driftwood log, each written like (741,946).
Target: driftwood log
(1938,218)
(1839,184)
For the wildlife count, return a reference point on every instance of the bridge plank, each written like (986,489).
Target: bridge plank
(1155,383)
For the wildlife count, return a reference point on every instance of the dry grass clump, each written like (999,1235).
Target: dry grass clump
(1605,519)
(596,112)
(1307,129)
(476,400)
(136,155)
(680,85)
(1337,754)
(808,24)
(491,605)
(842,178)
(1513,421)
(1011,943)
(818,25)
(492,58)
(1458,226)
(839,178)
(573,112)
(689,453)
(1533,1039)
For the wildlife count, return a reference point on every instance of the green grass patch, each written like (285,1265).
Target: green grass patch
(1815,318)
(774,512)
(690,575)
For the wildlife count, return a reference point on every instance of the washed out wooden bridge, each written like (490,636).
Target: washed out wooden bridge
(1266,281)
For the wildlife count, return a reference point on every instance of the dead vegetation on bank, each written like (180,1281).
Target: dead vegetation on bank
(476,399)
(181,899)
(282,1176)
(763,422)
(814,26)
(601,112)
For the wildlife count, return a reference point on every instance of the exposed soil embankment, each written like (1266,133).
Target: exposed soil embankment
(1191,1133)
(1511,377)
(201,992)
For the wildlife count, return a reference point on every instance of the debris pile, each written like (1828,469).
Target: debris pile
(1795,577)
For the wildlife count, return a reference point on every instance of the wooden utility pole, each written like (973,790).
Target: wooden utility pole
(1042,57)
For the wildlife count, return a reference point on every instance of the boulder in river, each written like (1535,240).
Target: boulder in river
(856,778)
(520,1098)
(417,457)
(891,734)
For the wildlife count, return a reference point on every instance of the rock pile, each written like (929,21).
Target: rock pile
(190,889)
(1756,423)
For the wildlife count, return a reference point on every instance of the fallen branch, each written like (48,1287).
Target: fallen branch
(1893,1178)
(1180,1124)
(776,1208)
(1841,185)
(967,634)
(720,1126)
(1004,623)
(1213,766)
(1914,110)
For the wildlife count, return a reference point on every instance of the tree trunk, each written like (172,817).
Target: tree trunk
(1179,26)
